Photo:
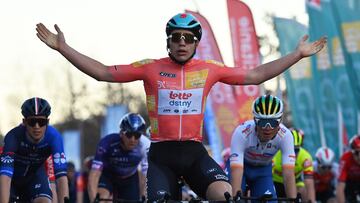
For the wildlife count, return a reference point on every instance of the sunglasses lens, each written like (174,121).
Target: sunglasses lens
(131,134)
(40,121)
(273,123)
(187,37)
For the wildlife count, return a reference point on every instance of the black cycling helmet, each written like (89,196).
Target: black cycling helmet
(132,123)
(35,107)
(184,21)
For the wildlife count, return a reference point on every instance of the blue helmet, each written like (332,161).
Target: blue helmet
(132,123)
(184,21)
(35,107)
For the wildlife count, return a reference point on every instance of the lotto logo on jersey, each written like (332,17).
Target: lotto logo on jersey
(179,102)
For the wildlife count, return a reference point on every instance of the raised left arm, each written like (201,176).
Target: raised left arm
(269,70)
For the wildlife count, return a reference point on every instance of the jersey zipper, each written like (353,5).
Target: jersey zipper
(180,110)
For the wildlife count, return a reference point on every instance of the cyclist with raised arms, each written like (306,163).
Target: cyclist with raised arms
(253,145)
(114,170)
(326,172)
(26,150)
(176,90)
(303,170)
(348,187)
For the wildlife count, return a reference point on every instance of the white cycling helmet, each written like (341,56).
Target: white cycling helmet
(325,156)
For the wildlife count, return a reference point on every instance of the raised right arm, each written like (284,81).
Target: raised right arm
(82,62)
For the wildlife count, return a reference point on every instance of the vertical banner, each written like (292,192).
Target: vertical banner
(329,66)
(72,146)
(221,97)
(346,15)
(246,53)
(111,122)
(299,83)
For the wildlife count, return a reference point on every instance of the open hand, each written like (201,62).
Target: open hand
(307,49)
(54,41)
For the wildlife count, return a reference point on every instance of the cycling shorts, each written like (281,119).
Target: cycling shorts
(124,189)
(352,189)
(29,188)
(258,179)
(325,195)
(171,160)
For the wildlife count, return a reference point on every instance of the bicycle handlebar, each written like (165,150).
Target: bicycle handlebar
(267,197)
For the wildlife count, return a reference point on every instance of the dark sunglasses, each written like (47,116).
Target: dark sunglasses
(325,167)
(131,134)
(40,121)
(178,36)
(263,123)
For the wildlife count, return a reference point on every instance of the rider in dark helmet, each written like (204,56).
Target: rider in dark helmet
(132,123)
(26,151)
(35,107)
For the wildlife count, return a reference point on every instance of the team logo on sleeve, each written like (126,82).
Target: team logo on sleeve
(215,62)
(59,158)
(7,159)
(142,62)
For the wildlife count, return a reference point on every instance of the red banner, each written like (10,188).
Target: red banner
(246,53)
(222,97)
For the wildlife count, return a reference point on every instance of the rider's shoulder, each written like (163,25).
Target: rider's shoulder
(245,129)
(52,130)
(215,62)
(143,62)
(284,131)
(110,138)
(145,140)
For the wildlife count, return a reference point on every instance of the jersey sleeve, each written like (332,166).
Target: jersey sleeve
(98,162)
(287,147)
(8,155)
(228,75)
(131,72)
(145,149)
(58,154)
(308,168)
(238,143)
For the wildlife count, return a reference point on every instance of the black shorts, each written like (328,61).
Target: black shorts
(171,160)
(30,187)
(352,190)
(124,189)
(325,195)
